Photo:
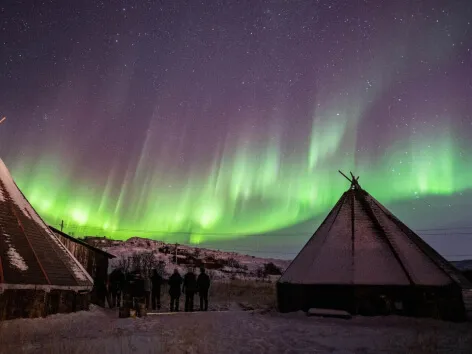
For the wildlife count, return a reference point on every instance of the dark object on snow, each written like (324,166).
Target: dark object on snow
(364,260)
(203,285)
(175,282)
(124,312)
(141,310)
(329,313)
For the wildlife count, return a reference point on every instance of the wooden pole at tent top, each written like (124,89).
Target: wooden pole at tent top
(353,180)
(346,177)
(2,120)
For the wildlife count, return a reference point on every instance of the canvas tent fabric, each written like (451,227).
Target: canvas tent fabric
(31,256)
(363,259)
(362,243)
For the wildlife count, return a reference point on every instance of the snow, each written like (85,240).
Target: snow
(101,331)
(79,272)
(13,256)
(328,313)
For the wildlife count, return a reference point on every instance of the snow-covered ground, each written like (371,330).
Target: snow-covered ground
(235,331)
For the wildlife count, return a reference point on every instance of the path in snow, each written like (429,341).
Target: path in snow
(101,331)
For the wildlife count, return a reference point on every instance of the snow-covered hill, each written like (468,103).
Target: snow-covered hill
(220,264)
(463,265)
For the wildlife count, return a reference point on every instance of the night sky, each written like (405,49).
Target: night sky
(212,122)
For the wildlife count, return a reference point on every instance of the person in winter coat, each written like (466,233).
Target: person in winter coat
(99,291)
(147,289)
(189,289)
(116,281)
(156,281)
(203,285)
(175,281)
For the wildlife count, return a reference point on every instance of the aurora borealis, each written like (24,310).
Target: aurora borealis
(226,119)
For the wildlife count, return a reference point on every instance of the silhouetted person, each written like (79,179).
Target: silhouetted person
(136,287)
(122,287)
(175,281)
(189,289)
(203,285)
(116,282)
(147,289)
(156,281)
(100,291)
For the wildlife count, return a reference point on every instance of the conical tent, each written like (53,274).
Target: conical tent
(31,256)
(362,244)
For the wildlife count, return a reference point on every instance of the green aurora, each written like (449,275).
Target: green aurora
(268,178)
(250,193)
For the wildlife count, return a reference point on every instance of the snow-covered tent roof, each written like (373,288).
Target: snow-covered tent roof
(31,256)
(362,243)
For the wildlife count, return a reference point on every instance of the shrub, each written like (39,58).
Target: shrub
(271,269)
(231,262)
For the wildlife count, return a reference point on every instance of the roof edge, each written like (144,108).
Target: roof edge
(109,255)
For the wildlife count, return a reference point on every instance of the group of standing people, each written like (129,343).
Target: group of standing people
(189,285)
(138,285)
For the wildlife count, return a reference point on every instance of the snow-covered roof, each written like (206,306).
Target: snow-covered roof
(30,253)
(361,242)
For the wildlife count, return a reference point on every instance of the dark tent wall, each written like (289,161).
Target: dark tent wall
(442,303)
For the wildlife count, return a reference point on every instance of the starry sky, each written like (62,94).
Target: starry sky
(224,123)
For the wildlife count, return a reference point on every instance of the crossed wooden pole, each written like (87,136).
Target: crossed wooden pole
(354,180)
(2,120)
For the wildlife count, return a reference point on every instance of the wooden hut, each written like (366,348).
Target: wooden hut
(38,274)
(93,259)
(364,260)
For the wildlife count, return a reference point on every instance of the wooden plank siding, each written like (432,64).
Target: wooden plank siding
(94,260)
(31,303)
(84,255)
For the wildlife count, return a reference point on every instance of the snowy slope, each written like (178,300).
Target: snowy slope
(220,264)
(463,265)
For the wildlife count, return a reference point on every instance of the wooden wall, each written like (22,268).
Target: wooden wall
(96,263)
(30,303)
